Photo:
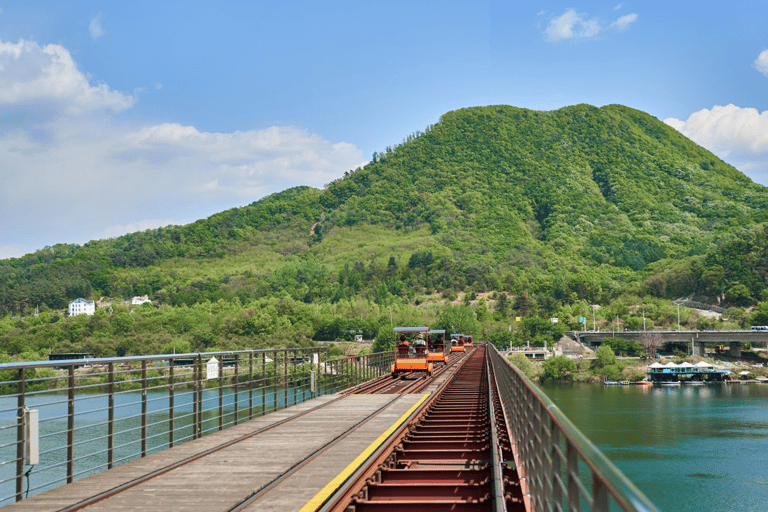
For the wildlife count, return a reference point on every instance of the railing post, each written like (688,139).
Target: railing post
(572,468)
(321,363)
(70,423)
(20,437)
(144,408)
(285,378)
(237,383)
(199,396)
(194,399)
(250,385)
(599,494)
(295,382)
(264,383)
(555,476)
(171,396)
(111,418)
(274,372)
(221,393)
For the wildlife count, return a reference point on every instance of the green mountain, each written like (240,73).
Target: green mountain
(578,205)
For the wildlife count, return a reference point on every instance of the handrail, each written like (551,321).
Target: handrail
(551,452)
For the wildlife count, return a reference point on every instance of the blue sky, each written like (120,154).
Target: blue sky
(119,117)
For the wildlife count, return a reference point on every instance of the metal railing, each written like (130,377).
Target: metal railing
(561,469)
(95,414)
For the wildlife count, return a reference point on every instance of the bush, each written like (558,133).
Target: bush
(522,363)
(557,368)
(611,372)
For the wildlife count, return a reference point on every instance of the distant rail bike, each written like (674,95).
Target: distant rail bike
(436,348)
(411,351)
(457,343)
(468,341)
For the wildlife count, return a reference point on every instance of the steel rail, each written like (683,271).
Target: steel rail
(344,492)
(309,458)
(431,465)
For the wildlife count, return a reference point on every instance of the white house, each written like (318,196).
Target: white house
(136,301)
(82,307)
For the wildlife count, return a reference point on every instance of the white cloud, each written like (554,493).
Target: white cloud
(46,81)
(736,134)
(572,25)
(625,21)
(617,7)
(575,25)
(95,28)
(761,63)
(70,174)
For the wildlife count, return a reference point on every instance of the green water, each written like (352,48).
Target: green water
(688,448)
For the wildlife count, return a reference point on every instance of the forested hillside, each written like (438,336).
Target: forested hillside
(548,212)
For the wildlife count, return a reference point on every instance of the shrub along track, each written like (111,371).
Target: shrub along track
(454,456)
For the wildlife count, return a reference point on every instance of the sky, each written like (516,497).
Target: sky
(118,117)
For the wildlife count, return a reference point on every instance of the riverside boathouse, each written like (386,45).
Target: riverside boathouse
(686,372)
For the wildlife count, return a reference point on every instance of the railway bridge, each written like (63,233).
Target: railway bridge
(697,340)
(291,430)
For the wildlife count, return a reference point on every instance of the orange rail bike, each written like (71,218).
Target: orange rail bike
(436,346)
(468,341)
(411,350)
(457,343)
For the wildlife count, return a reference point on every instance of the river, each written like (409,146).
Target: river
(688,448)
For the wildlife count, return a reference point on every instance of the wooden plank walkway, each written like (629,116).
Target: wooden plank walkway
(226,477)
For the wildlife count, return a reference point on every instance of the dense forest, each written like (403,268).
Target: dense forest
(490,215)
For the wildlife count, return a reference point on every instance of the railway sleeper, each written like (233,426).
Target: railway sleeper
(423,491)
(422,445)
(444,455)
(425,475)
(359,505)
(453,438)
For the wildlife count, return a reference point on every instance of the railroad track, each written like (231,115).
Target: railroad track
(411,382)
(446,459)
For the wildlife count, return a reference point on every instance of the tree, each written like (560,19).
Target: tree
(760,314)
(523,363)
(557,368)
(605,356)
(651,342)
(739,295)
(385,339)
(458,319)
(502,305)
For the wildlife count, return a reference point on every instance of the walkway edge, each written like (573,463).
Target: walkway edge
(320,498)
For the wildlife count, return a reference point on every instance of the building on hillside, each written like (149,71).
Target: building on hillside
(82,307)
(137,301)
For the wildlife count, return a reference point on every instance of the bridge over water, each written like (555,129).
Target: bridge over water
(697,339)
(292,430)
